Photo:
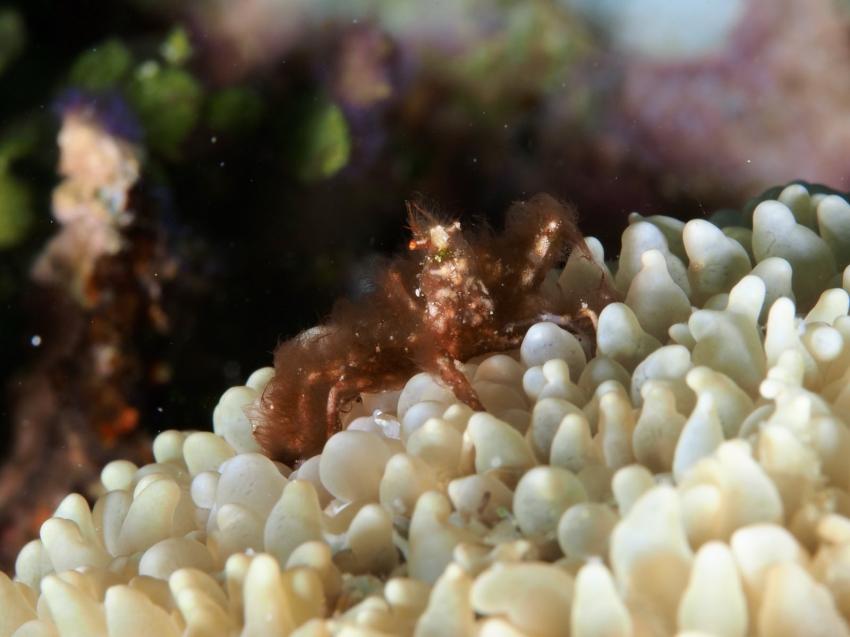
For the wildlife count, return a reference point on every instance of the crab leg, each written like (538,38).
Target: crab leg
(347,389)
(457,382)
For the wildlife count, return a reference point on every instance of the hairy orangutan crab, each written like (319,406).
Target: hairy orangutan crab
(452,297)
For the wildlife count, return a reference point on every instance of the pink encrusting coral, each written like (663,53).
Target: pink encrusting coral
(753,111)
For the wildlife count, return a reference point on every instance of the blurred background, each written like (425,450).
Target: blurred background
(184,183)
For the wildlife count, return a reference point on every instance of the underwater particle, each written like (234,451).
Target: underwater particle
(16,216)
(12,36)
(168,101)
(102,67)
(235,109)
(176,49)
(323,146)
(35,341)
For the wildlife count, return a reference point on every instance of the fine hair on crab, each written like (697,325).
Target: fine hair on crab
(451,297)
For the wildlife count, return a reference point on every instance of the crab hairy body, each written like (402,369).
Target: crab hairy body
(450,298)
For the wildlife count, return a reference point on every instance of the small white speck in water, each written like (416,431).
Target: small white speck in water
(35,341)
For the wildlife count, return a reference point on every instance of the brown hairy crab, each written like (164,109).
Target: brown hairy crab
(450,298)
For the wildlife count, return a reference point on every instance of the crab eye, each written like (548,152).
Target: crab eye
(412,245)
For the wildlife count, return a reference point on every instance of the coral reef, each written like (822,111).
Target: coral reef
(688,479)
(282,111)
(97,298)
